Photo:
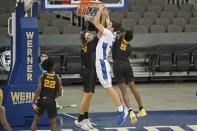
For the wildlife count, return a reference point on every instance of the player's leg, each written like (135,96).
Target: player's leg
(53,123)
(123,112)
(132,115)
(83,120)
(119,69)
(3,119)
(38,114)
(91,84)
(131,85)
(52,112)
(84,105)
(115,97)
(84,111)
(85,102)
(142,111)
(103,74)
(35,122)
(120,80)
(88,88)
(124,92)
(130,79)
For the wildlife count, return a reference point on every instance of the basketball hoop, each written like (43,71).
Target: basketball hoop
(87,9)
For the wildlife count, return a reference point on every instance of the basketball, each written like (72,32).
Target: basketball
(82,11)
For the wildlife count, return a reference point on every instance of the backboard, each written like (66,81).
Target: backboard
(69,5)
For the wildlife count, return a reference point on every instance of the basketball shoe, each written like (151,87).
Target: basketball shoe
(88,123)
(133,117)
(122,116)
(82,125)
(141,113)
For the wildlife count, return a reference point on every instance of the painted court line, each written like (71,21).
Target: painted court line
(63,130)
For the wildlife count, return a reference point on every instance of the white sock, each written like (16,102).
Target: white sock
(120,108)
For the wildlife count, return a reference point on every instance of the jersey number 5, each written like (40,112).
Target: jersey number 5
(123,47)
(49,83)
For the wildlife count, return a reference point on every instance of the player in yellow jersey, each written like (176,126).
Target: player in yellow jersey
(123,72)
(49,87)
(3,120)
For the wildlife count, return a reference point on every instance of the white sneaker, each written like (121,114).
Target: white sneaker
(88,123)
(82,125)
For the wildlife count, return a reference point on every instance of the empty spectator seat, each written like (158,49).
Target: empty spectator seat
(179,21)
(190,28)
(128,24)
(171,8)
(154,8)
(174,28)
(140,29)
(4,19)
(73,65)
(116,16)
(134,15)
(161,3)
(165,62)
(162,21)
(168,15)
(59,24)
(49,17)
(50,30)
(70,30)
(145,21)
(193,21)
(183,62)
(187,7)
(142,2)
(195,14)
(150,15)
(157,29)
(42,24)
(184,14)
(138,8)
(4,31)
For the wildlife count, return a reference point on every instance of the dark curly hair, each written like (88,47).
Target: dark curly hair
(82,37)
(48,65)
(116,26)
(128,35)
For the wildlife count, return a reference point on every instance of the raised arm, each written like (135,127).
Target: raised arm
(102,21)
(96,21)
(107,18)
(28,4)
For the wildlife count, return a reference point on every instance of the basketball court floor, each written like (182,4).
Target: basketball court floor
(171,107)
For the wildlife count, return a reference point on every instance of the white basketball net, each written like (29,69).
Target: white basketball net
(92,13)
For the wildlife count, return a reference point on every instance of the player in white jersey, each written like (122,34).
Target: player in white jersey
(107,37)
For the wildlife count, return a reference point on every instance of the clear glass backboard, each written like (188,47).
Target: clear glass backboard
(69,5)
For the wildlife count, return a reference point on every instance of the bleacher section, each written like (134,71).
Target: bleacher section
(173,18)
(141,17)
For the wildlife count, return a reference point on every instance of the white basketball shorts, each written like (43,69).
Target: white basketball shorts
(103,73)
